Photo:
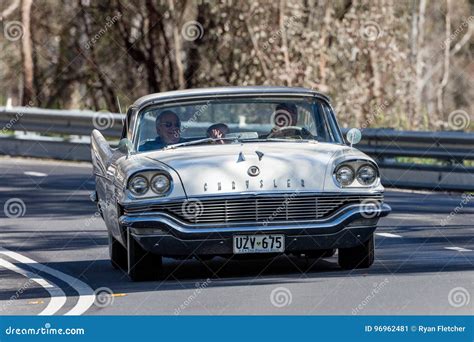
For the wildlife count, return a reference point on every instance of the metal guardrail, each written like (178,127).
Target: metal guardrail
(68,122)
(450,149)
(453,146)
(385,145)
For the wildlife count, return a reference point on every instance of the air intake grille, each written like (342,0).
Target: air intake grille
(257,208)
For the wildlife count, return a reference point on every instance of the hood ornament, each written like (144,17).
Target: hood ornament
(241,158)
(253,171)
(259,154)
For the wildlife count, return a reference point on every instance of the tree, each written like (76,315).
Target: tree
(27,53)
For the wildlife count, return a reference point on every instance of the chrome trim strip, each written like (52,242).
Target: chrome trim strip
(335,220)
(136,234)
(260,93)
(138,203)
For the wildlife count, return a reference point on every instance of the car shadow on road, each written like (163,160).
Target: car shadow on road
(190,274)
(220,272)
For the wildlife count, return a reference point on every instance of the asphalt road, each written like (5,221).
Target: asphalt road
(54,259)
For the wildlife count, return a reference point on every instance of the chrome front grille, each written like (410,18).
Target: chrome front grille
(263,209)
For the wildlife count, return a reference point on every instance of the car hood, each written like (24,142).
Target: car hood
(277,166)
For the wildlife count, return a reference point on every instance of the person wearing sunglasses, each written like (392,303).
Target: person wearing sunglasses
(168,129)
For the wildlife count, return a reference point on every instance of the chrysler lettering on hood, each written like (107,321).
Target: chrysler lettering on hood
(225,168)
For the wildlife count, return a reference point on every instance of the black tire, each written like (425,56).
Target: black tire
(361,256)
(321,253)
(118,254)
(142,265)
(329,253)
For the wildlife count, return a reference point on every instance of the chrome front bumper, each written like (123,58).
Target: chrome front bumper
(164,234)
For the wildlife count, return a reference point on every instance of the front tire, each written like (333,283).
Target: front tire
(118,254)
(142,265)
(329,253)
(361,256)
(320,254)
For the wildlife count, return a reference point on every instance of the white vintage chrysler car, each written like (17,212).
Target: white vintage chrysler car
(233,171)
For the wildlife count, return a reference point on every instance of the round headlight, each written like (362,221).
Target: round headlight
(138,185)
(160,184)
(345,175)
(366,175)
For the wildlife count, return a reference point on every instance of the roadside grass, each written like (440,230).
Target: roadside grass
(430,161)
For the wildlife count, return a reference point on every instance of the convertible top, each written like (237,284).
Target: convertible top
(226,91)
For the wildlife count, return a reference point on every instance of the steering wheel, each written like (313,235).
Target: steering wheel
(285,131)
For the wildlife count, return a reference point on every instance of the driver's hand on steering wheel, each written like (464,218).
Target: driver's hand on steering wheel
(290,131)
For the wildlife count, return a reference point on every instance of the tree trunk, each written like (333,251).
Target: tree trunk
(419,58)
(447,45)
(27,54)
(178,46)
(324,47)
(284,44)
(9,10)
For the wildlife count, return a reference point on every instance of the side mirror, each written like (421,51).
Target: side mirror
(125,146)
(354,136)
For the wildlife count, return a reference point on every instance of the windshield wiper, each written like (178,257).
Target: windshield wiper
(279,140)
(234,139)
(197,142)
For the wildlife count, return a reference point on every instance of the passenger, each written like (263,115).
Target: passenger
(168,129)
(218,131)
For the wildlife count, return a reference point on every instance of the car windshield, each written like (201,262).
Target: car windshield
(224,121)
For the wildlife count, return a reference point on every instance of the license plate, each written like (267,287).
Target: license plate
(259,244)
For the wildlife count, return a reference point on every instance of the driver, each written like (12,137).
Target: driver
(168,129)
(285,114)
(285,121)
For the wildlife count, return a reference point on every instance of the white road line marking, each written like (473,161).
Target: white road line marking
(35,174)
(390,235)
(58,298)
(459,249)
(86,294)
